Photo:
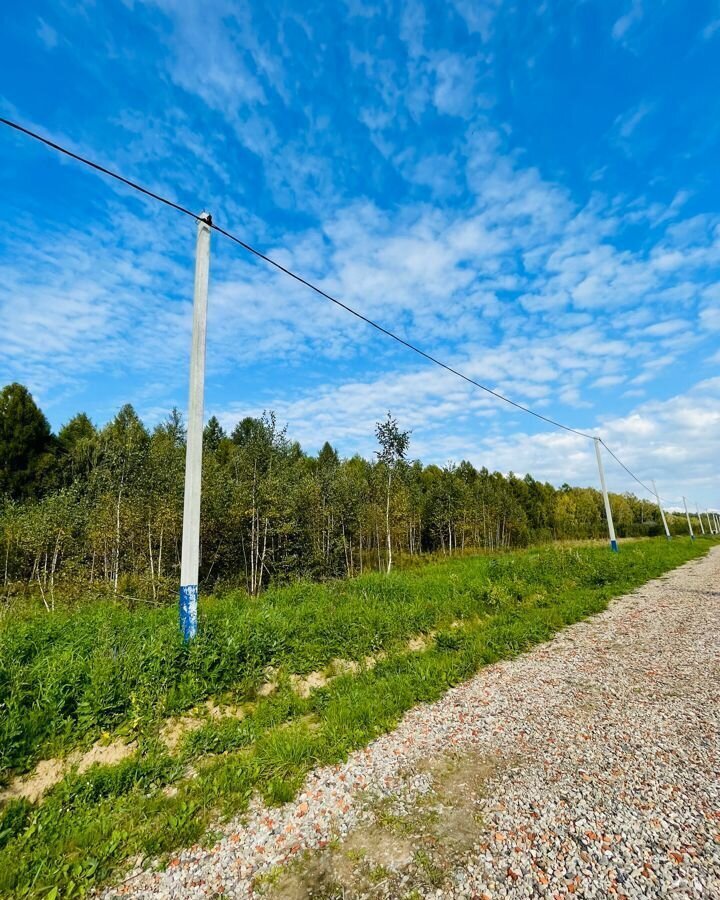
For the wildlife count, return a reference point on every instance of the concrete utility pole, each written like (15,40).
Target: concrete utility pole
(193,457)
(697,510)
(687,516)
(608,511)
(662,513)
(710,527)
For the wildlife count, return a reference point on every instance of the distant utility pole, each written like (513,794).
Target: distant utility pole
(193,456)
(697,510)
(710,527)
(687,516)
(608,511)
(662,512)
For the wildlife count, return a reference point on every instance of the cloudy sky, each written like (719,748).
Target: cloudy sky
(528,191)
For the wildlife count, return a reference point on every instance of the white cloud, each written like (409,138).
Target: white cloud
(673,441)
(526,288)
(626,123)
(607,381)
(711,29)
(623,25)
(47,34)
(667,327)
(216,54)
(452,281)
(454,92)
(478,15)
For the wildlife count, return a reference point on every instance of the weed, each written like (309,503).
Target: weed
(378,873)
(432,872)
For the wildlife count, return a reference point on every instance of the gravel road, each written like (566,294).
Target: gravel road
(589,767)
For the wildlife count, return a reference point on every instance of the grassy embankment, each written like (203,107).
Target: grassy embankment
(68,678)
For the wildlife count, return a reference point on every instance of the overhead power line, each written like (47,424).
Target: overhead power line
(396,337)
(313,287)
(98,168)
(299,278)
(629,471)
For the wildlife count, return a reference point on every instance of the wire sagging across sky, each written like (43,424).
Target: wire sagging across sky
(313,287)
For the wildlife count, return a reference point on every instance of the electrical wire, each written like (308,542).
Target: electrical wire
(396,337)
(98,168)
(629,471)
(313,287)
(299,278)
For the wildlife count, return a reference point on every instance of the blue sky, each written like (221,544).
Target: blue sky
(529,191)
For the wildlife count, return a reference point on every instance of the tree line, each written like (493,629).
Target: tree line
(100,509)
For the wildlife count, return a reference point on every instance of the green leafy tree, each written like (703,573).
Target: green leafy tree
(124,448)
(28,465)
(78,447)
(113,515)
(213,435)
(394,445)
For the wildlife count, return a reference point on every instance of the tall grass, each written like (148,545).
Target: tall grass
(66,678)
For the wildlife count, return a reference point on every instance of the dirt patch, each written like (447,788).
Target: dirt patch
(375,847)
(175,730)
(105,754)
(224,710)
(304,686)
(414,645)
(458,788)
(50,772)
(406,845)
(369,859)
(343,667)
(31,787)
(270,685)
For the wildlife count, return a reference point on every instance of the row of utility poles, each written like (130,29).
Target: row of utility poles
(713,522)
(189,567)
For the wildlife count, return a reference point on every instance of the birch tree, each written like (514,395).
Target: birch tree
(394,445)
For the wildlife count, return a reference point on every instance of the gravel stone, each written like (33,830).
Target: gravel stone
(610,735)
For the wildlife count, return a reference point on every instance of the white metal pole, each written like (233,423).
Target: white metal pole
(687,516)
(702,527)
(662,512)
(608,511)
(710,528)
(193,457)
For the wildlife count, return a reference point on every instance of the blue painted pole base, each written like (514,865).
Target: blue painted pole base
(614,546)
(188,611)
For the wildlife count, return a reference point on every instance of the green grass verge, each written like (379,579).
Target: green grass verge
(64,679)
